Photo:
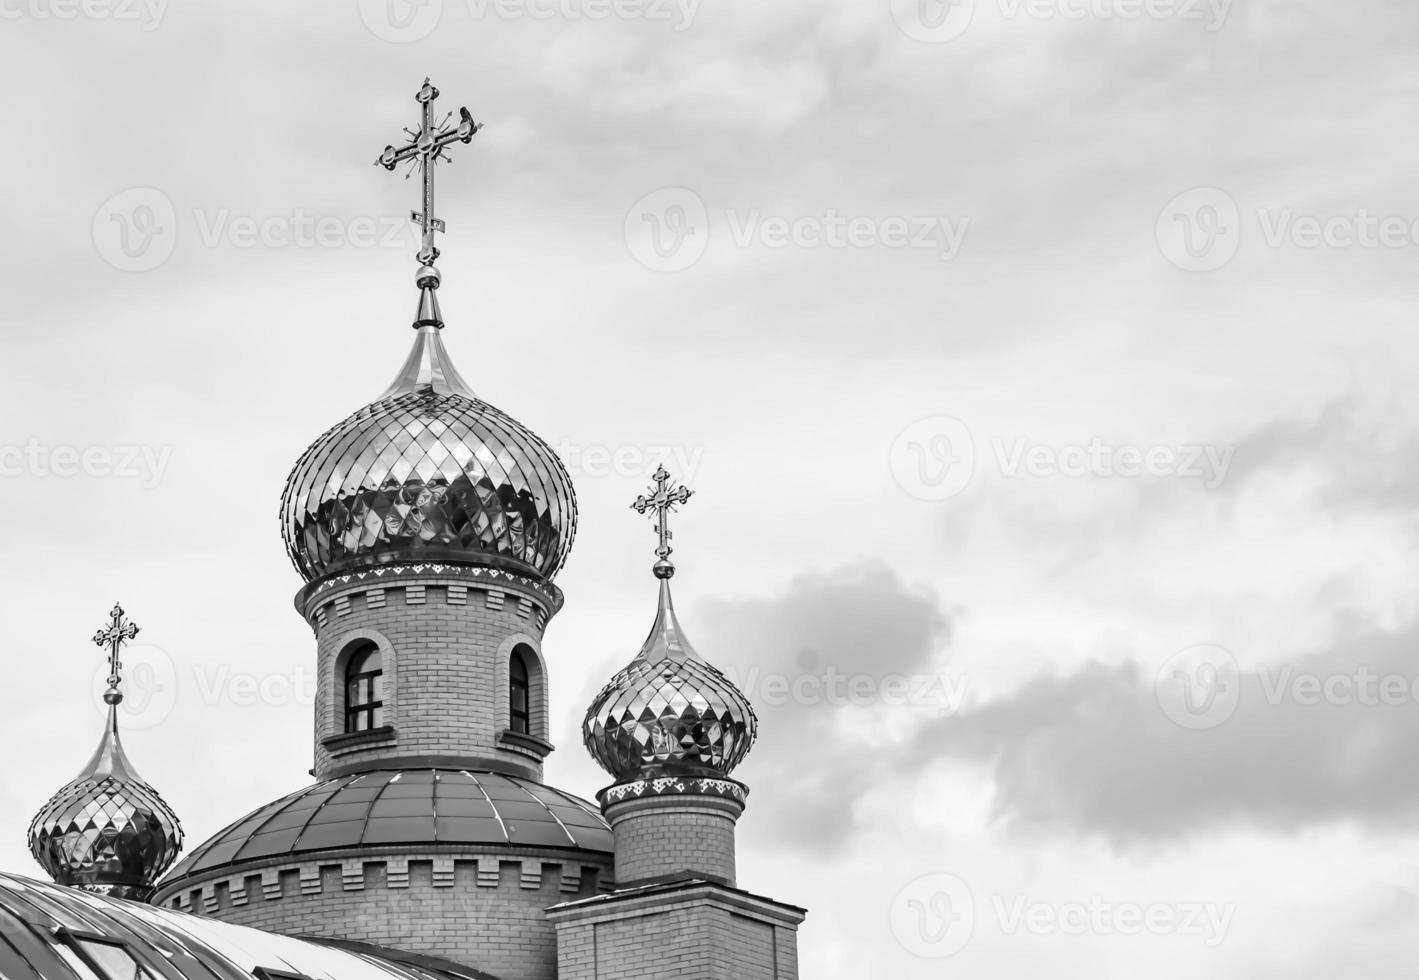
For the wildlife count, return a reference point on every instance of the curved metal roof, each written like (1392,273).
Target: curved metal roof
(51,932)
(413,806)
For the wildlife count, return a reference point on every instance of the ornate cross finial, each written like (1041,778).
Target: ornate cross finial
(662,501)
(118,632)
(425,148)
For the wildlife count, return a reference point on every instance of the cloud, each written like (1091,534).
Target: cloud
(793,653)
(1312,741)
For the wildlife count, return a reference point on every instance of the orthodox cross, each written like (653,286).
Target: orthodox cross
(425,148)
(118,632)
(662,501)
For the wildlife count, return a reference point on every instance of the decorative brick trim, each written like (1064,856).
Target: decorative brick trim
(443,872)
(396,872)
(342,606)
(524,607)
(413,595)
(540,617)
(352,875)
(322,618)
(271,884)
(458,595)
(473,573)
(495,599)
(310,880)
(374,598)
(674,786)
(356,874)
(488,870)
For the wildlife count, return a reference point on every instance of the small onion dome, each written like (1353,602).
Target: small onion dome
(669,712)
(107,831)
(429,472)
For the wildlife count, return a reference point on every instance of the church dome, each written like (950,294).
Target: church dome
(107,830)
(429,472)
(424,807)
(669,712)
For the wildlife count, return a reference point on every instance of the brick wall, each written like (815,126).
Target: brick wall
(658,836)
(484,910)
(699,931)
(446,644)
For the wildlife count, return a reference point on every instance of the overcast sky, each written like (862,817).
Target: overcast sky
(1045,370)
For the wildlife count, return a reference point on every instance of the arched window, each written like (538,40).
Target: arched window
(364,690)
(519,694)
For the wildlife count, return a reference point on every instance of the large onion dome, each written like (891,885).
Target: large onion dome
(429,472)
(107,831)
(669,712)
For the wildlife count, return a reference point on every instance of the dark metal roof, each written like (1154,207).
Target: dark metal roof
(416,806)
(51,932)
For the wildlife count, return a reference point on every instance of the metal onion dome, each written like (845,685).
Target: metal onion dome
(107,831)
(429,472)
(669,712)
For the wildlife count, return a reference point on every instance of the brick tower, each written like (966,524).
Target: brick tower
(429,527)
(670,727)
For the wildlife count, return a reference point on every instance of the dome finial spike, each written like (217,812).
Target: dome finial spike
(426,147)
(662,500)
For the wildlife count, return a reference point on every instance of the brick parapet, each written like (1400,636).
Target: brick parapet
(482,908)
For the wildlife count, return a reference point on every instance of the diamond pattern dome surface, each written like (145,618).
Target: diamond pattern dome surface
(430,472)
(669,712)
(416,806)
(106,829)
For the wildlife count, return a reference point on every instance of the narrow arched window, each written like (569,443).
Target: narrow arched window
(364,690)
(519,694)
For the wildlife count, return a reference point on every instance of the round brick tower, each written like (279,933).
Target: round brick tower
(429,527)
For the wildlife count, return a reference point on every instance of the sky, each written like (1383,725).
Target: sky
(1044,370)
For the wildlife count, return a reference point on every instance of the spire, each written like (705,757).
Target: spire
(669,711)
(426,147)
(107,830)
